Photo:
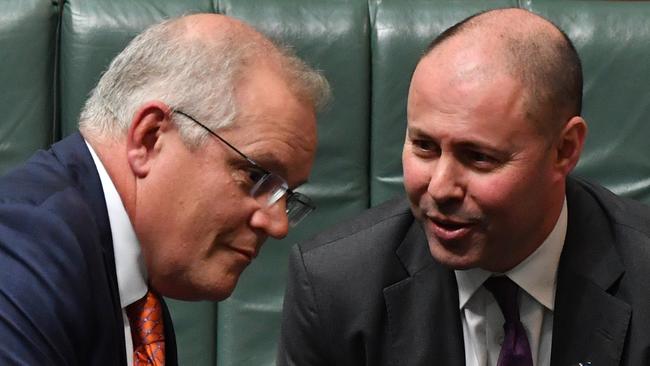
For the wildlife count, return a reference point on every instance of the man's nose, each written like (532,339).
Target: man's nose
(272,220)
(445,180)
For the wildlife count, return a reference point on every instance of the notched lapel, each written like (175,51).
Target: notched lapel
(423,315)
(74,154)
(589,325)
(589,322)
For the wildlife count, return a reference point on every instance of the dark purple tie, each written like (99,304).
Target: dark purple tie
(515,350)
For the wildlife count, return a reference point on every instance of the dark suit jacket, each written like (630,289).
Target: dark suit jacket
(59,301)
(369,292)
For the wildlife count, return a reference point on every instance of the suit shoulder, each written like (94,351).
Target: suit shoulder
(61,225)
(364,248)
(35,181)
(353,262)
(393,216)
(45,217)
(623,212)
(49,271)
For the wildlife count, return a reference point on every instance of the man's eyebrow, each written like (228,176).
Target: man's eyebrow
(411,131)
(416,132)
(270,162)
(274,166)
(480,146)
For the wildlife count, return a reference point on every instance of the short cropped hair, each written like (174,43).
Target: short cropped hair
(550,68)
(195,75)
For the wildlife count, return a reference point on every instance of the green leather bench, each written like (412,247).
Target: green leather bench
(52,53)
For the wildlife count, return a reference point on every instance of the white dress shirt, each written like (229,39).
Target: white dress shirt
(129,265)
(482,318)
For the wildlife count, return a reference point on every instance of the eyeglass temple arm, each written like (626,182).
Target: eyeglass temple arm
(219,137)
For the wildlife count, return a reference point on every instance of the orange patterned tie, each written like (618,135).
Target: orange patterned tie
(145,317)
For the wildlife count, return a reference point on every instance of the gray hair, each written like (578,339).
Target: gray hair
(194,74)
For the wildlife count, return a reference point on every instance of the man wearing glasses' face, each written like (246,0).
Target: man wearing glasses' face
(190,149)
(242,174)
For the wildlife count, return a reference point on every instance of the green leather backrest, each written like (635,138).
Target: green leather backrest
(613,41)
(367,49)
(27,44)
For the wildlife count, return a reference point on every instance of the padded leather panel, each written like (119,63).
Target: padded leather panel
(27,43)
(401,30)
(331,36)
(612,39)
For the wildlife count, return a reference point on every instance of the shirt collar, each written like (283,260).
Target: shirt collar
(129,265)
(537,274)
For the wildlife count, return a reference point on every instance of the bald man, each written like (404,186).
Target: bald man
(189,149)
(497,257)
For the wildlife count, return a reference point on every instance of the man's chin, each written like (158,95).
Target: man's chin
(199,291)
(217,296)
(456,264)
(453,255)
(221,292)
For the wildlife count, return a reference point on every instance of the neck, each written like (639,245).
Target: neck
(112,153)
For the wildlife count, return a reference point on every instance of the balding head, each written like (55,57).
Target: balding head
(194,64)
(216,28)
(526,47)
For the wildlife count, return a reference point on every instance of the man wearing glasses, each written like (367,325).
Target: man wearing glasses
(188,151)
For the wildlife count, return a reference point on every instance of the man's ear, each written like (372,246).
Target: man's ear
(143,138)
(570,143)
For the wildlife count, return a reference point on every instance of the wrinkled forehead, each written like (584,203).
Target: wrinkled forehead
(273,124)
(460,72)
(455,70)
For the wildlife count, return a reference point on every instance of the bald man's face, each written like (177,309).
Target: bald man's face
(479,176)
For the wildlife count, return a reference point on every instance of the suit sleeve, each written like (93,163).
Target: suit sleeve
(302,339)
(40,287)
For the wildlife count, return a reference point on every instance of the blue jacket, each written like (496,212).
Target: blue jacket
(59,300)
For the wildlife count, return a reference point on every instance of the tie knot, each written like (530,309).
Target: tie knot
(505,293)
(145,317)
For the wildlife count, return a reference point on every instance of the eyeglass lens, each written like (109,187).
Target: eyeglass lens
(298,206)
(270,188)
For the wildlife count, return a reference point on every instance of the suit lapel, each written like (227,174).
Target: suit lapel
(589,324)
(73,153)
(423,314)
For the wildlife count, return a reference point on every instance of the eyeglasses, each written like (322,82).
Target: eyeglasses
(268,188)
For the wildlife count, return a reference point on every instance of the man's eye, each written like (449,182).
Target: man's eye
(255,174)
(481,160)
(480,157)
(425,146)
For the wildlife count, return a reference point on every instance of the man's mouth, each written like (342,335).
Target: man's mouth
(449,229)
(248,254)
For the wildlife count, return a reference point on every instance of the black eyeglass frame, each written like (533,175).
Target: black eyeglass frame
(305,203)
